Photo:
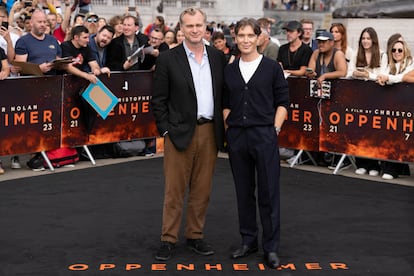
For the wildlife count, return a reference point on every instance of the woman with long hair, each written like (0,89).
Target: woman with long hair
(367,63)
(339,33)
(400,62)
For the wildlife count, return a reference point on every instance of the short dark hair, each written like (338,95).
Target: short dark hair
(218,35)
(107,27)
(248,22)
(77,30)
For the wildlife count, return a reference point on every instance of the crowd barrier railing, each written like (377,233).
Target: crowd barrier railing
(361,118)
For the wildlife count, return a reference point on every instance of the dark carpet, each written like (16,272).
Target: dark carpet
(106,221)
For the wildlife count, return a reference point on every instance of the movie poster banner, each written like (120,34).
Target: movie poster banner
(365,119)
(30,114)
(301,128)
(130,119)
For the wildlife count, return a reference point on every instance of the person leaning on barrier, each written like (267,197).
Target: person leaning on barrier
(7,37)
(294,56)
(156,41)
(37,46)
(4,65)
(339,33)
(83,59)
(124,46)
(367,63)
(326,62)
(98,44)
(400,62)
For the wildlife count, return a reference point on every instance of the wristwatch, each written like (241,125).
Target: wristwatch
(277,129)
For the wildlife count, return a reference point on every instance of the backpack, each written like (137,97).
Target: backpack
(62,156)
(129,148)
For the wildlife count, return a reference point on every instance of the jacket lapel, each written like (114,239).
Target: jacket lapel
(182,60)
(213,65)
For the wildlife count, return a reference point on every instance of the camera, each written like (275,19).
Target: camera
(5,24)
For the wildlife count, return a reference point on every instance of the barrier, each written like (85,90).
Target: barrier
(130,119)
(43,113)
(361,118)
(30,117)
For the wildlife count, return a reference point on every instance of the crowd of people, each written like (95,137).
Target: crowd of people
(98,46)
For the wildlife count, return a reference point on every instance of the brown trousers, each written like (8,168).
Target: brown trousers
(192,169)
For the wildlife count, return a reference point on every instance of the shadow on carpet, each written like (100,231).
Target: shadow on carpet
(107,220)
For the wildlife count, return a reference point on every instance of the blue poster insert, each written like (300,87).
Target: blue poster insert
(100,98)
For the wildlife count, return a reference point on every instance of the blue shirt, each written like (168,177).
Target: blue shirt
(100,58)
(38,51)
(202,83)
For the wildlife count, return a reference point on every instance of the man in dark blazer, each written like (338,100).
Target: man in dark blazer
(125,45)
(186,102)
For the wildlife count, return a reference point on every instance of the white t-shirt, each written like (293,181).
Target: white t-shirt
(247,69)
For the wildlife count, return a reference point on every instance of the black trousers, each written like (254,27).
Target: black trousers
(254,154)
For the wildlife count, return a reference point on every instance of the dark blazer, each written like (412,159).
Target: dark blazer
(174,102)
(116,57)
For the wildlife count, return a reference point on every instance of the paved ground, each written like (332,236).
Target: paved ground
(26,172)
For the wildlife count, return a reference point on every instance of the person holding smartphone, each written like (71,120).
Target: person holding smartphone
(7,38)
(367,63)
(326,62)
(4,65)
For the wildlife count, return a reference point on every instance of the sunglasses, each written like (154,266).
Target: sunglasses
(94,20)
(397,50)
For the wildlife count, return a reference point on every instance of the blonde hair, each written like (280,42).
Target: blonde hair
(192,11)
(407,60)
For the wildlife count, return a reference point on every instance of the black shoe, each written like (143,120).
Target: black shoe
(244,251)
(272,260)
(164,253)
(199,246)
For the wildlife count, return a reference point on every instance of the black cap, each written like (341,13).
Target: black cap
(293,26)
(324,35)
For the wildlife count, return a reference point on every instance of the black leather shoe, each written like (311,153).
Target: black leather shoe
(199,246)
(164,253)
(244,251)
(272,260)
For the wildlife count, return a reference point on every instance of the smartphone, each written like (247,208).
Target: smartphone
(27,4)
(5,24)
(131,8)
(309,70)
